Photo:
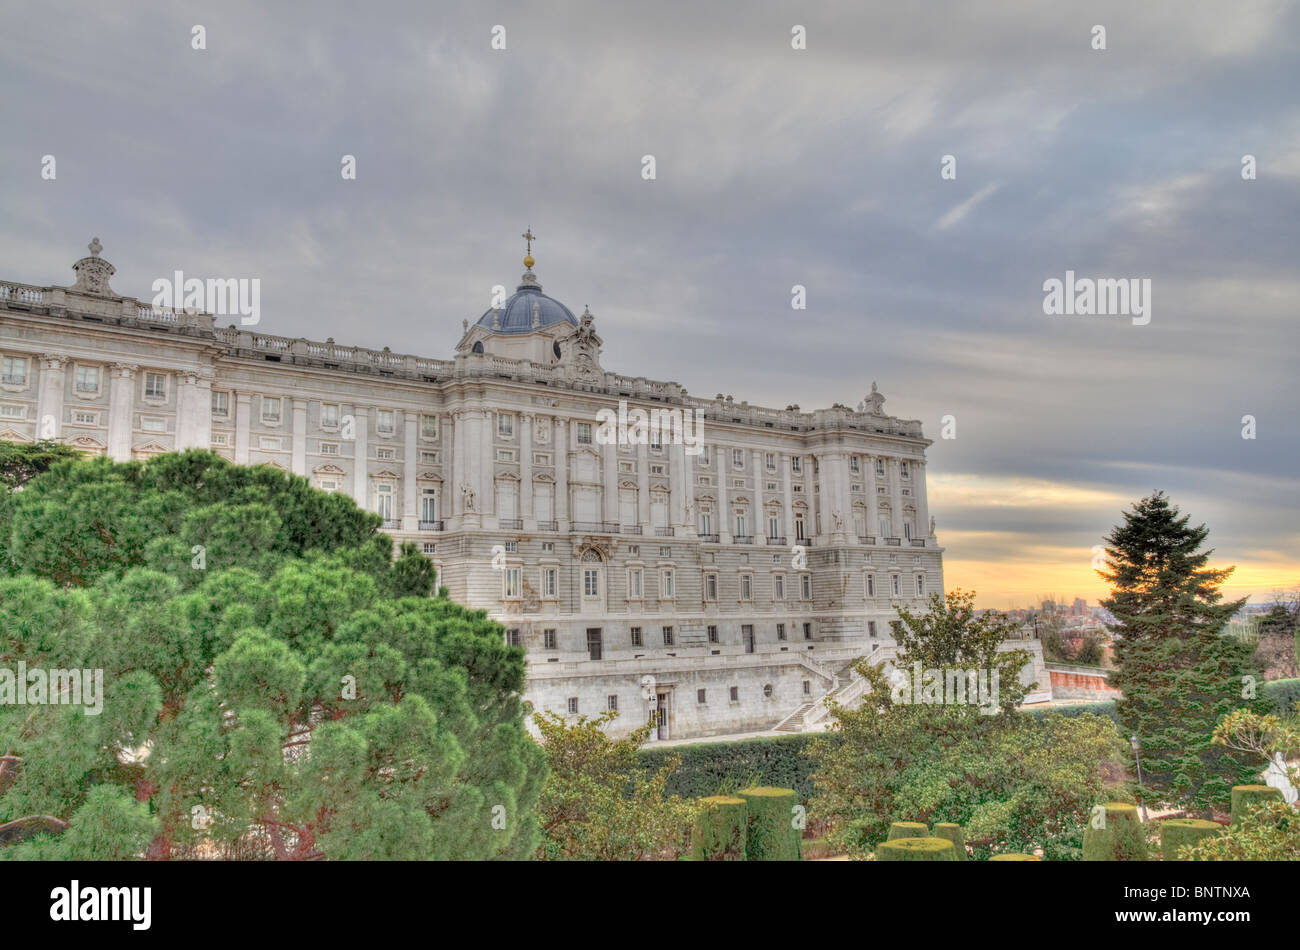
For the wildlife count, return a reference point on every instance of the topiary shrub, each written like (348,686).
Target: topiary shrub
(1121,838)
(1177,833)
(951,831)
(916,849)
(908,829)
(720,829)
(1246,798)
(771,833)
(1014,856)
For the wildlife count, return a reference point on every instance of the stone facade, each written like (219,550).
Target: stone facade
(608,562)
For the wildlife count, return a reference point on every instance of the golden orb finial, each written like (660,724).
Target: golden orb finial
(528,256)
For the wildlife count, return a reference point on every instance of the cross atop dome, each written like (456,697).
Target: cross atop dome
(530,237)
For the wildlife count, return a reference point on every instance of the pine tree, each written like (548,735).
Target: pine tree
(1179,674)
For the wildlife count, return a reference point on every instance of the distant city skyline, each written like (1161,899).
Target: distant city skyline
(775,167)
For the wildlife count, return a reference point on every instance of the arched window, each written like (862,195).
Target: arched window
(591,571)
(478,346)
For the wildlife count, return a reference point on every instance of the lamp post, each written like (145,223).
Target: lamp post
(1137,752)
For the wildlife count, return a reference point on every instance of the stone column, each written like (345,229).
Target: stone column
(787,496)
(643,488)
(873,507)
(121,399)
(689,518)
(723,456)
(193,411)
(561,442)
(411,455)
(609,482)
(361,457)
(895,498)
(298,461)
(822,510)
(920,492)
(454,469)
(487,495)
(49,404)
(243,422)
(526,471)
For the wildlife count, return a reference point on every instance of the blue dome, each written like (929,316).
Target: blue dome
(517,314)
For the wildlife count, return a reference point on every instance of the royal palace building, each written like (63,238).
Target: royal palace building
(709,563)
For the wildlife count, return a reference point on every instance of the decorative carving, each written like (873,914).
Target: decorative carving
(875,402)
(93,272)
(469,498)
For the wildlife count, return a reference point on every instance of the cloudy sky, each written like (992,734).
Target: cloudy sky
(774,167)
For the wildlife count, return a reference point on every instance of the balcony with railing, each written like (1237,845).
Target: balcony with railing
(664,532)
(710,539)
(776,541)
(392,524)
(866,539)
(918,542)
(805,542)
(510,524)
(631,529)
(744,539)
(894,542)
(548,526)
(431,526)
(594,527)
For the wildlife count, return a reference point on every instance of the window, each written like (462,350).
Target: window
(700,695)
(550,582)
(735,694)
(541,458)
(512,547)
(591,582)
(636,637)
(612,702)
(329,448)
(87,379)
(710,586)
(807,687)
(155,386)
(767,690)
(807,631)
(513,638)
(627,468)
(429,547)
(154,424)
(656,469)
(548,546)
(704,455)
(384,454)
(880,467)
(894,581)
(665,552)
(329,484)
(713,633)
(920,585)
(634,549)
(384,421)
(14,371)
(429,504)
(428,427)
(769,461)
(266,443)
(429,458)
(656,443)
(746,586)
(634,578)
(513,582)
(666,587)
(329,416)
(548,638)
(220,403)
(584,433)
(796,464)
(505,425)
(799,528)
(740,527)
(383,501)
(219,438)
(505,455)
(774,526)
(778,587)
(871,628)
(13,412)
(805,586)
(85,418)
(904,469)
(737,458)
(270,409)
(871,585)
(780,631)
(706,523)
(573,704)
(668,636)
(854,465)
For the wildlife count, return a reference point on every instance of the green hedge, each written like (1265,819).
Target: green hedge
(713,768)
(1014,856)
(908,829)
(1122,838)
(720,829)
(916,849)
(1176,833)
(1247,798)
(1283,694)
(953,832)
(772,835)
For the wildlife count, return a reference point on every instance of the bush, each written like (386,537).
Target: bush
(712,768)
(916,849)
(952,832)
(908,829)
(1105,707)
(1247,798)
(1283,694)
(1120,838)
(1014,856)
(772,835)
(720,829)
(1176,833)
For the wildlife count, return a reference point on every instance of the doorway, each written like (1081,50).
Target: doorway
(593,642)
(661,715)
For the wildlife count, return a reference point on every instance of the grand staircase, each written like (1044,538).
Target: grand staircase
(848,690)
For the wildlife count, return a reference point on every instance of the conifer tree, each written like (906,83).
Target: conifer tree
(1178,672)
